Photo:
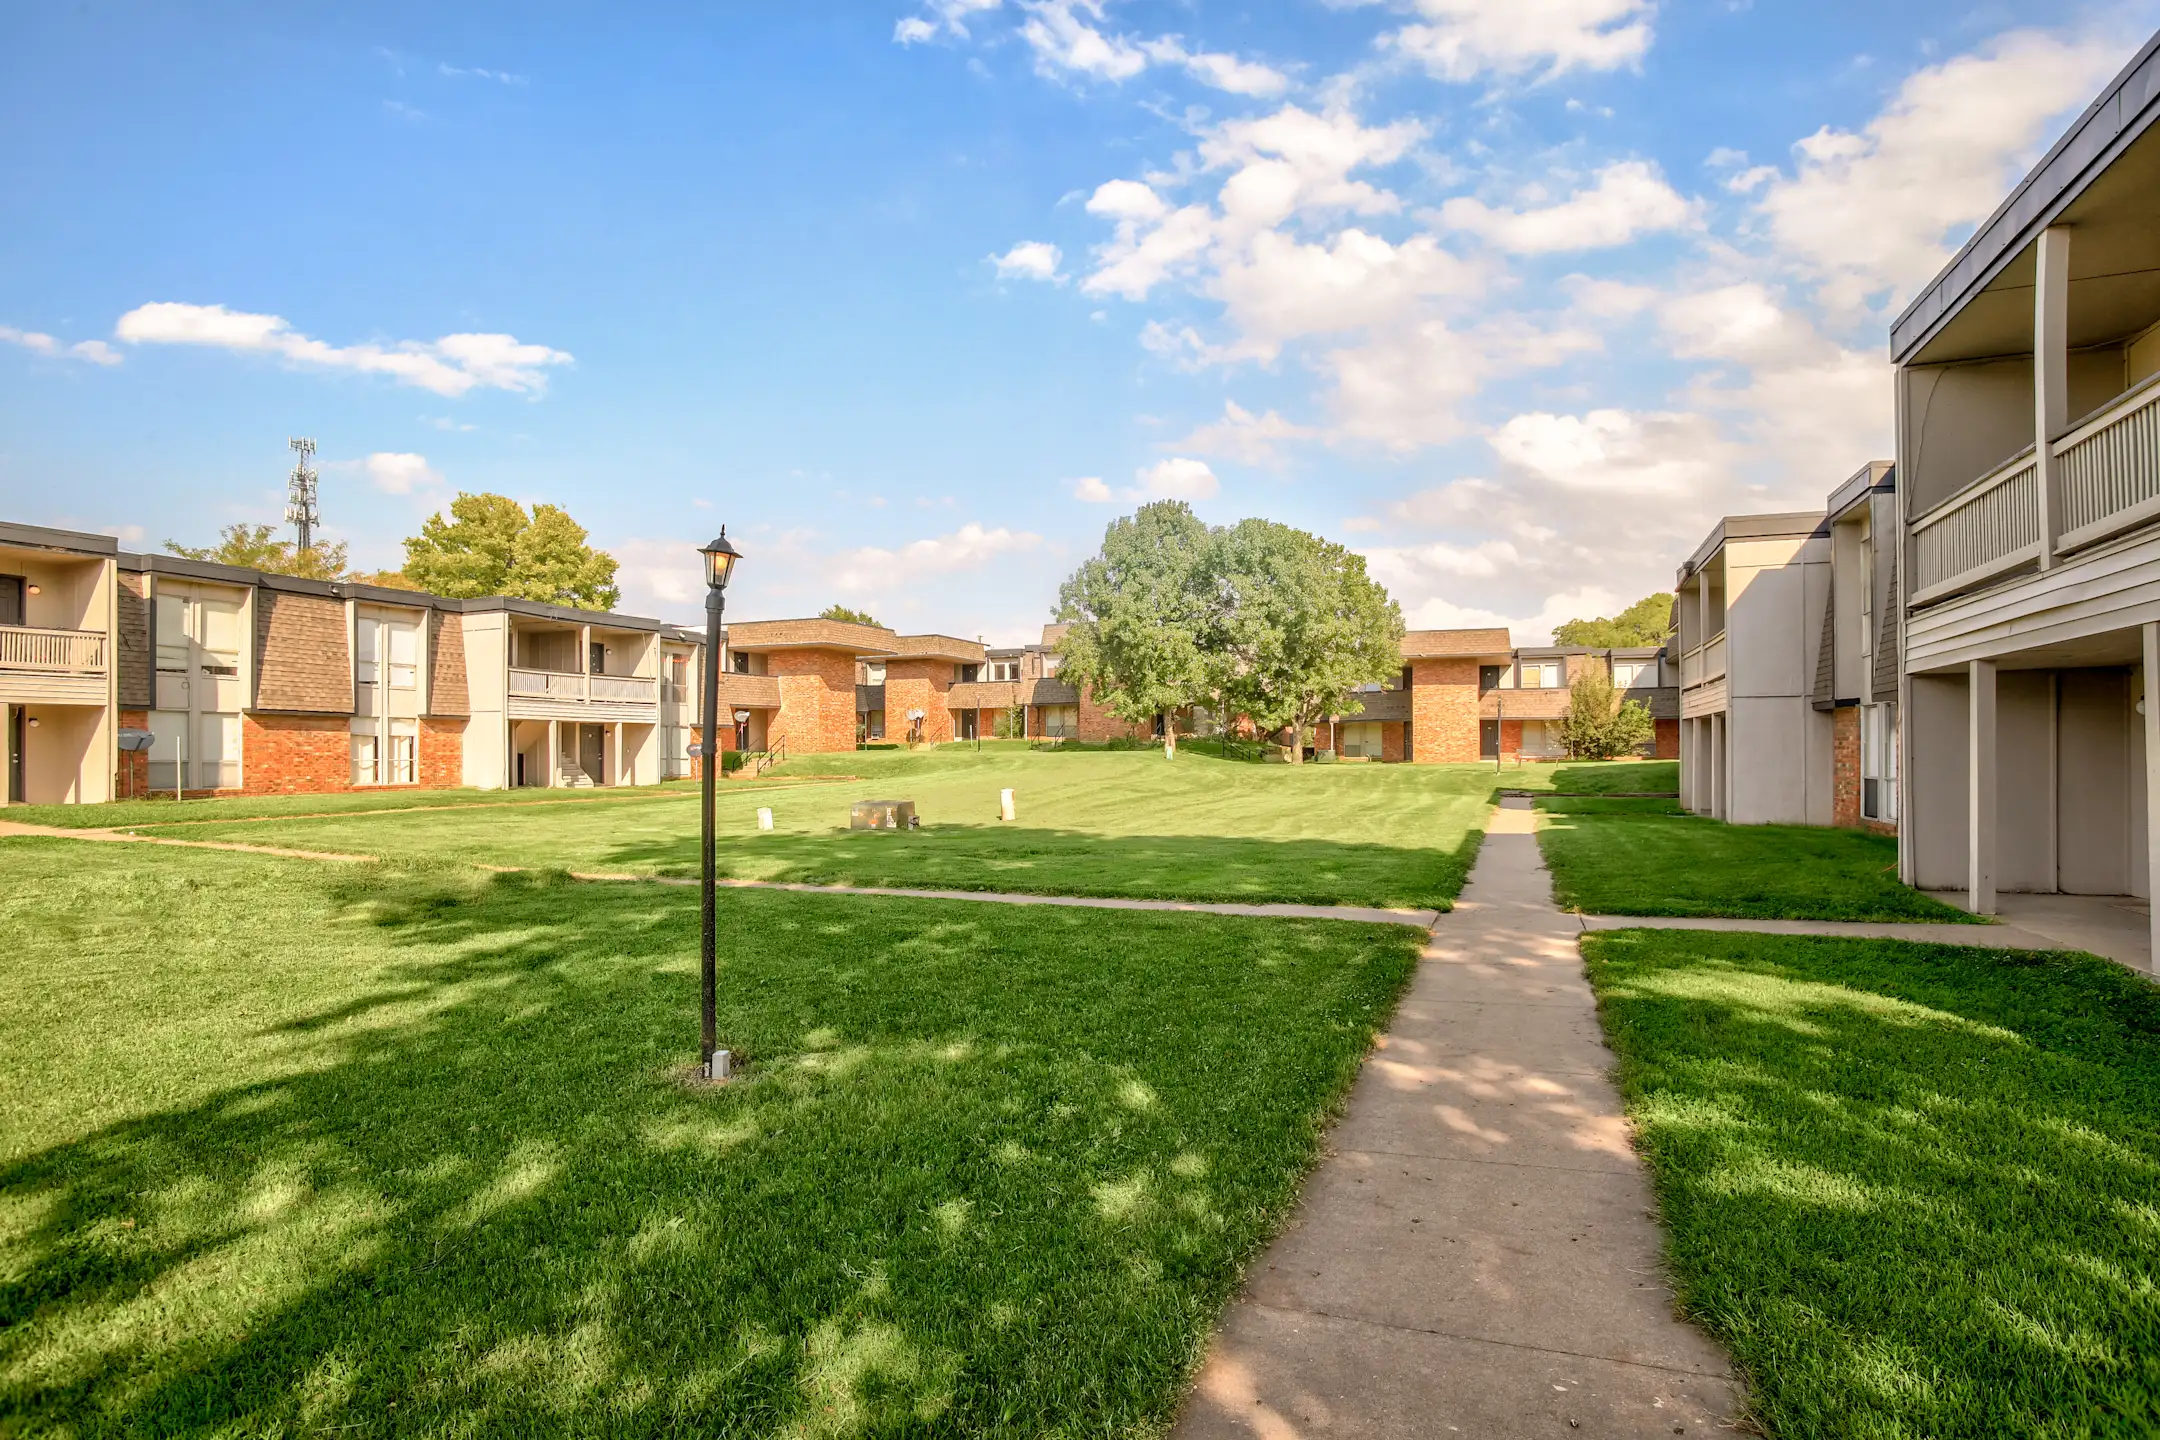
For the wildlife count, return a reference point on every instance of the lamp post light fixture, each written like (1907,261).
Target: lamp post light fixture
(720,558)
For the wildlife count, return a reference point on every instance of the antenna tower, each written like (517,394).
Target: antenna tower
(300,495)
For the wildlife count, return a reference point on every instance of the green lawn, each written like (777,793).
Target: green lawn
(1583,777)
(1606,860)
(290,1149)
(1090,823)
(1915,1189)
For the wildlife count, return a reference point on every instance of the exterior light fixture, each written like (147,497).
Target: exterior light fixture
(742,717)
(720,558)
(36,589)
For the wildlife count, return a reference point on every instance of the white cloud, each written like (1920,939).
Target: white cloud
(500,77)
(1142,256)
(1470,39)
(1629,198)
(1091,489)
(661,577)
(1873,214)
(1178,478)
(96,352)
(1608,299)
(1405,386)
(400,473)
(450,366)
(1238,77)
(969,548)
(1242,435)
(1064,37)
(1030,260)
(1617,451)
(948,17)
(1281,289)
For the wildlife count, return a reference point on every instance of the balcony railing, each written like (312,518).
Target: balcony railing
(66,652)
(643,689)
(2108,470)
(1706,662)
(551,684)
(1986,529)
(569,685)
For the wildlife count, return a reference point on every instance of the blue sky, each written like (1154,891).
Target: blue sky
(1516,296)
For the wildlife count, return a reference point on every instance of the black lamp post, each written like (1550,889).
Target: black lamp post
(720,558)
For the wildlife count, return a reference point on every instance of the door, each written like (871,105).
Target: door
(11,599)
(1488,738)
(596,658)
(592,751)
(967,724)
(16,731)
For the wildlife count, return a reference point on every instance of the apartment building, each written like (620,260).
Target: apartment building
(1523,701)
(247,682)
(2028,406)
(59,710)
(1856,671)
(1747,614)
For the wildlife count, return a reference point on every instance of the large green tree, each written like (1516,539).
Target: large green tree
(490,546)
(1647,622)
(253,548)
(1137,613)
(1296,626)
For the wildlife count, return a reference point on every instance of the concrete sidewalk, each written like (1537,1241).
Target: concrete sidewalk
(1477,1255)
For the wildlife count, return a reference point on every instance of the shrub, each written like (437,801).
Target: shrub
(1598,724)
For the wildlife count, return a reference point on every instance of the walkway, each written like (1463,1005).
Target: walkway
(1477,1254)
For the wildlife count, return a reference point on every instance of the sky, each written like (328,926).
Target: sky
(1514,297)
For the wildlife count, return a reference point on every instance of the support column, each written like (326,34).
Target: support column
(615,776)
(1717,766)
(2051,385)
(2152,785)
(1980,788)
(554,755)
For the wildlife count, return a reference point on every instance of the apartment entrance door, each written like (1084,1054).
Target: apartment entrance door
(1488,735)
(16,731)
(11,599)
(968,723)
(592,752)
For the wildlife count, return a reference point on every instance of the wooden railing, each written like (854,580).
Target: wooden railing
(1990,527)
(2108,470)
(73,652)
(553,684)
(1706,662)
(641,688)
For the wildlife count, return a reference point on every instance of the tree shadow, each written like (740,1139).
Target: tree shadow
(1911,1187)
(984,1173)
(1068,862)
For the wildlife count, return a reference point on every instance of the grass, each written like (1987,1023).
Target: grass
(1606,860)
(1915,1189)
(292,1149)
(1090,823)
(1580,777)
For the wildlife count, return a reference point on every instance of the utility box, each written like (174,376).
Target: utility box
(884,815)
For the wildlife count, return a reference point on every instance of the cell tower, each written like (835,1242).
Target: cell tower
(300,495)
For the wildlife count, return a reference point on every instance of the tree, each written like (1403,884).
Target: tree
(1295,626)
(383,579)
(847,616)
(490,546)
(251,548)
(1137,614)
(1647,622)
(1598,724)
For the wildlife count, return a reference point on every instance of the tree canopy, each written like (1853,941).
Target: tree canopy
(851,617)
(490,546)
(1255,619)
(251,547)
(1599,724)
(1647,622)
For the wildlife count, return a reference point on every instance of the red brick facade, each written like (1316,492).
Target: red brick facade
(1391,740)
(1444,711)
(817,701)
(1845,765)
(295,754)
(131,774)
(1668,739)
(442,754)
(1098,725)
(918,685)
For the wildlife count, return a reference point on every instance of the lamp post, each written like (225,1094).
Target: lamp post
(720,558)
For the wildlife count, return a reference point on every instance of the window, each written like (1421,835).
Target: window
(197,632)
(1541,675)
(1004,670)
(207,751)
(1878,762)
(874,724)
(874,673)
(1050,661)
(367,651)
(404,655)
(966,674)
(385,755)
(1627,674)
(1057,722)
(381,645)
(1361,740)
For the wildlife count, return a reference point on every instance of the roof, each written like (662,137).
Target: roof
(1783,525)
(1874,478)
(810,634)
(934,647)
(1449,644)
(37,537)
(2123,112)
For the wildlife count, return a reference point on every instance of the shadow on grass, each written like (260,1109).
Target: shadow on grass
(1913,1188)
(984,1174)
(1065,862)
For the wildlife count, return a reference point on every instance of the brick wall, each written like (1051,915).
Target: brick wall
(1444,711)
(301,661)
(817,701)
(1668,739)
(918,685)
(447,692)
(1845,765)
(1511,739)
(1098,725)
(295,754)
(132,644)
(1391,740)
(131,772)
(442,753)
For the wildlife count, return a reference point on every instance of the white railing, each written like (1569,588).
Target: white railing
(641,688)
(553,684)
(1990,527)
(74,652)
(2108,470)
(1706,662)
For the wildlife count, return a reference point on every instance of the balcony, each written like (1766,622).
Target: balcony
(547,692)
(2107,473)
(52,667)
(1703,664)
